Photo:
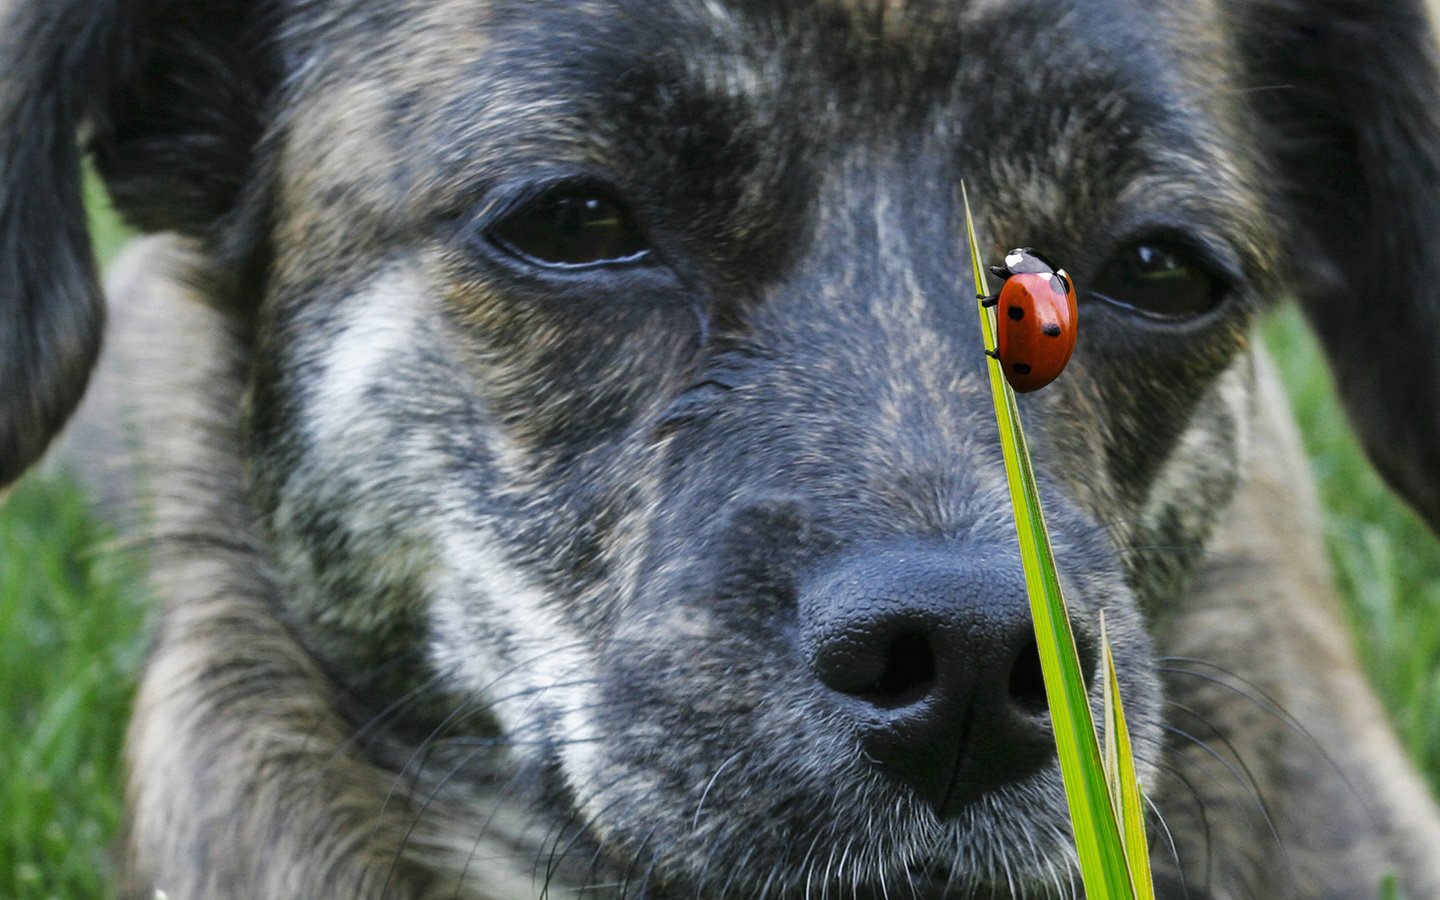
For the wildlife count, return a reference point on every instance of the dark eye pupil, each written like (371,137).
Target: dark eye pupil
(573,215)
(1158,262)
(1161,279)
(572,229)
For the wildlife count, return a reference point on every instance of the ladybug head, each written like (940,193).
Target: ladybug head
(1026,260)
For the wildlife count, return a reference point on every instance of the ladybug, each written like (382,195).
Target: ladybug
(1036,320)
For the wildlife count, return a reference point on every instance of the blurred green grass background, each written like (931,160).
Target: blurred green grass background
(1386,562)
(72,613)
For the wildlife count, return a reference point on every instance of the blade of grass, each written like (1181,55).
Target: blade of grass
(1098,842)
(1390,889)
(1120,774)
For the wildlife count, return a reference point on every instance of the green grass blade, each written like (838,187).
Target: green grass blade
(70,641)
(1098,842)
(1110,747)
(1390,888)
(1123,780)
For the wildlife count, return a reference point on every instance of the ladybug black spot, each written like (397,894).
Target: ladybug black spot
(1017,313)
(1050,330)
(1021,368)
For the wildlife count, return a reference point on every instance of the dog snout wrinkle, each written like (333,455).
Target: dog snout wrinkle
(928,653)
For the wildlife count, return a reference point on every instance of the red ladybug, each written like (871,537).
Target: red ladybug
(1036,320)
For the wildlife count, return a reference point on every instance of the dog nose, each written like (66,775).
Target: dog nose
(930,656)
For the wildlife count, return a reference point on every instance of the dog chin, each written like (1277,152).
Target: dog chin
(1012,843)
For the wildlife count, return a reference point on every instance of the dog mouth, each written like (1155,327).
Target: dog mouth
(1011,843)
(939,883)
(930,883)
(935,881)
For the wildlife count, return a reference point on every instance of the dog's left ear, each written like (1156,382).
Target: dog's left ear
(1347,102)
(169,96)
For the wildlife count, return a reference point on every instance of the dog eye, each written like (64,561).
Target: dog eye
(571,229)
(1162,279)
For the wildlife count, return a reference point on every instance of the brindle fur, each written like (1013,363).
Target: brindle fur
(479,582)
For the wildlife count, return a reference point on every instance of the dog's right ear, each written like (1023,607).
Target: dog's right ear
(1347,101)
(169,97)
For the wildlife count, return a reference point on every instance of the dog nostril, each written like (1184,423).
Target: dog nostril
(929,658)
(1027,681)
(908,676)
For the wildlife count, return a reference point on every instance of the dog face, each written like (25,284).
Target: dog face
(665,412)
(618,402)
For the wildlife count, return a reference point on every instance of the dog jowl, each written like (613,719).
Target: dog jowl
(575,463)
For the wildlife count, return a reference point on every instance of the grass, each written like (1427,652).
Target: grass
(70,643)
(1387,563)
(71,640)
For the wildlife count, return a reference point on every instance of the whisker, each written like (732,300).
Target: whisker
(1238,757)
(739,866)
(573,826)
(1251,789)
(415,821)
(1170,841)
(1179,775)
(1262,699)
(625,877)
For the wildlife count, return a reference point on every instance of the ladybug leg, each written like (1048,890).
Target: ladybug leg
(993,354)
(989,301)
(1001,272)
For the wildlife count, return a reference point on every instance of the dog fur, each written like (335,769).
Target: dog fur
(488,578)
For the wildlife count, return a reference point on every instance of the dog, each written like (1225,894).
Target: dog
(568,455)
